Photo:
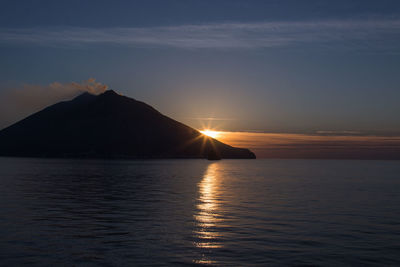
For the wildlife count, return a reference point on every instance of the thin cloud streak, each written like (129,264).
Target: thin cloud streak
(221,36)
(287,145)
(211,119)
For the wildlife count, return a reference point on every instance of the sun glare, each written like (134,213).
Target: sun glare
(210,133)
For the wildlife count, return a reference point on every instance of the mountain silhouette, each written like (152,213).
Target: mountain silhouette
(109,126)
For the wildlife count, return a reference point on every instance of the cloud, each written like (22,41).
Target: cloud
(340,146)
(210,119)
(17,103)
(331,132)
(380,34)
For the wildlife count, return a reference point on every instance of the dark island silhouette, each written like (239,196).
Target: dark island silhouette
(109,125)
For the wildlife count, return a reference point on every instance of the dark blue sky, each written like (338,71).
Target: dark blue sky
(286,66)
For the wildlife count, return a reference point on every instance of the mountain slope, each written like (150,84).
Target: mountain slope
(108,126)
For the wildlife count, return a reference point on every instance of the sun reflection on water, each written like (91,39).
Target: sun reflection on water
(208,216)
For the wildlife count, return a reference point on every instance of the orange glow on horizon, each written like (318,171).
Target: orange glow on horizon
(211,133)
(295,145)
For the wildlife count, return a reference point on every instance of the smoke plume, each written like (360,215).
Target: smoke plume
(17,103)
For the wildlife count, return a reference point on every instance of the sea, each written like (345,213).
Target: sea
(263,212)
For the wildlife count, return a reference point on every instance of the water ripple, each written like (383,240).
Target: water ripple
(196,212)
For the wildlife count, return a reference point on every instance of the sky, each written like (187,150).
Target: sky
(290,67)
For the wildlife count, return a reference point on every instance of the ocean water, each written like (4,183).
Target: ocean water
(197,212)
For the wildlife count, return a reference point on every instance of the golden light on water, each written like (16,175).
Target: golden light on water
(211,133)
(208,216)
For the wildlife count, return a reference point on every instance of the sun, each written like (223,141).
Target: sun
(210,133)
